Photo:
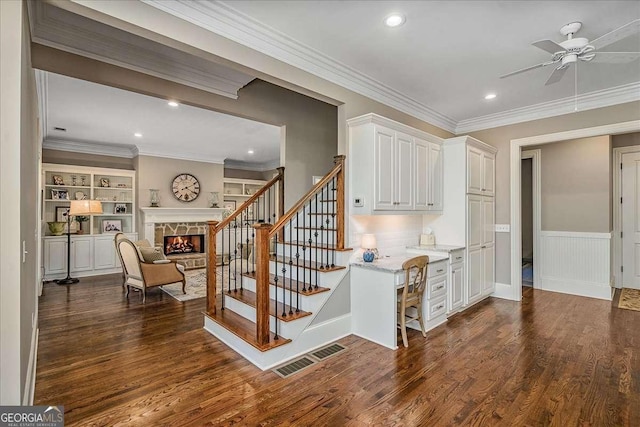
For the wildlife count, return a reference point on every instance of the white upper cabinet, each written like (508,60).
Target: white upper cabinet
(393,168)
(480,172)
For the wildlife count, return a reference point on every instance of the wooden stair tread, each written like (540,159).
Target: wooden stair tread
(243,328)
(316,245)
(327,201)
(288,284)
(249,297)
(311,265)
(316,228)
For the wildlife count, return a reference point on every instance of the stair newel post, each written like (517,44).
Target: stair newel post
(280,208)
(262,281)
(339,194)
(211,266)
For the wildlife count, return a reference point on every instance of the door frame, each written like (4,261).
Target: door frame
(616,243)
(536,191)
(514,171)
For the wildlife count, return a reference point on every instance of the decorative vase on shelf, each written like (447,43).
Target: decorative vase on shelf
(214,199)
(56,227)
(154,198)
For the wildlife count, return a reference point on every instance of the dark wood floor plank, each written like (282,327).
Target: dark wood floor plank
(554,360)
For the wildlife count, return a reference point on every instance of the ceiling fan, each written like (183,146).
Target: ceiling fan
(573,49)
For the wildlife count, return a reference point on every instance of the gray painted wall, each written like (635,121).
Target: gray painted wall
(82,159)
(575,190)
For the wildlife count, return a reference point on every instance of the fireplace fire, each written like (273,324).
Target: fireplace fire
(185,244)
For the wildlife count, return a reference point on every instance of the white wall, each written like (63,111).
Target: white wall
(19,156)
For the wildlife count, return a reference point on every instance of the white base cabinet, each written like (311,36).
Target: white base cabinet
(89,255)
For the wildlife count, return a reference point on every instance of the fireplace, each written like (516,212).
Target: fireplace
(184,244)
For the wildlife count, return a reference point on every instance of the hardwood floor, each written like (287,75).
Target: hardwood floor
(553,360)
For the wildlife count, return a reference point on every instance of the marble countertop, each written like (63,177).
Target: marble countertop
(436,248)
(393,264)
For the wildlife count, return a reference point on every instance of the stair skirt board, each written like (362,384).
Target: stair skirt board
(310,339)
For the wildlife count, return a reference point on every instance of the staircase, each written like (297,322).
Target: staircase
(288,297)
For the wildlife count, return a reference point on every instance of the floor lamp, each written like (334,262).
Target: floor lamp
(78,207)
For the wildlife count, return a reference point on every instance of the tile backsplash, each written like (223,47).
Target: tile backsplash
(393,232)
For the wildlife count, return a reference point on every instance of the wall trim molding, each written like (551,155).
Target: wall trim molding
(503,291)
(30,380)
(222,19)
(515,177)
(575,234)
(588,101)
(384,121)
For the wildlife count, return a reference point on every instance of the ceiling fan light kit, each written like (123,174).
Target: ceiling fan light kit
(569,51)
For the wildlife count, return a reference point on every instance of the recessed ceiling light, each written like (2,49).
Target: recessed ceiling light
(137,135)
(250,151)
(394,20)
(173,104)
(490,96)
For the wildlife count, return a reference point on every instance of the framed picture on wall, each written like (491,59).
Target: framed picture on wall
(112,226)
(229,205)
(61,216)
(120,208)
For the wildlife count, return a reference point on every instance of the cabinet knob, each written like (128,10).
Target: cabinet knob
(458,257)
(439,271)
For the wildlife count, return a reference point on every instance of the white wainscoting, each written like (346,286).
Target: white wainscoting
(576,263)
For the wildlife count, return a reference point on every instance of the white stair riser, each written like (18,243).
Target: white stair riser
(307,302)
(312,254)
(286,329)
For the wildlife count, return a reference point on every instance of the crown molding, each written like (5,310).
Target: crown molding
(222,19)
(258,167)
(103,149)
(588,101)
(383,121)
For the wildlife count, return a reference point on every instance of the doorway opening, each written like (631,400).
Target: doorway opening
(527,222)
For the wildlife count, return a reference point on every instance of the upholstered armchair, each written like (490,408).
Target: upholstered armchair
(143,274)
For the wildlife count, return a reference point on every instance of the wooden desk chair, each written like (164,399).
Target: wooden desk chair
(410,295)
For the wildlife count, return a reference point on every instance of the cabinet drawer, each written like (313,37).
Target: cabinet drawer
(437,287)
(437,268)
(436,308)
(456,256)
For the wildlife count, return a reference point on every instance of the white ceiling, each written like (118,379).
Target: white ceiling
(444,59)
(100,117)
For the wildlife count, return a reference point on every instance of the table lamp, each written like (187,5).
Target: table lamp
(369,245)
(78,207)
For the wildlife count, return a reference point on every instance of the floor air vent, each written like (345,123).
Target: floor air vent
(328,351)
(295,366)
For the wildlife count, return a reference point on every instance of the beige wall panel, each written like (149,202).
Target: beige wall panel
(83,159)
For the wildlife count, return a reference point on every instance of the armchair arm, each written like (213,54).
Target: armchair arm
(160,274)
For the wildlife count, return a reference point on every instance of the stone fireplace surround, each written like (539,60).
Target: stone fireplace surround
(158,222)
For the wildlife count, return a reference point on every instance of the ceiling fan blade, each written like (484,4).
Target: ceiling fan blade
(617,34)
(556,76)
(615,57)
(533,67)
(548,46)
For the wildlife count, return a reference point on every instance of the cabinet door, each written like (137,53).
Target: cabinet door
(55,256)
(488,221)
(81,254)
(488,270)
(404,172)
(474,171)
(474,222)
(384,170)
(488,174)
(421,167)
(104,253)
(455,295)
(436,180)
(474,276)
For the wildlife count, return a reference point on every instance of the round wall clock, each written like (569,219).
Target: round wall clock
(186,187)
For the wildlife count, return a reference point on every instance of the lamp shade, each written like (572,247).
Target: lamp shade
(368,241)
(85,207)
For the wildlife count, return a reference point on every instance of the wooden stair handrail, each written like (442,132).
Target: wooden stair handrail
(250,200)
(337,169)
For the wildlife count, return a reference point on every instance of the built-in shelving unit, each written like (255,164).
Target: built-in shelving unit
(241,189)
(92,248)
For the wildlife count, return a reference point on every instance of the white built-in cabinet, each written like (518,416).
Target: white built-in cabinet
(480,171)
(468,218)
(457,274)
(393,168)
(92,250)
